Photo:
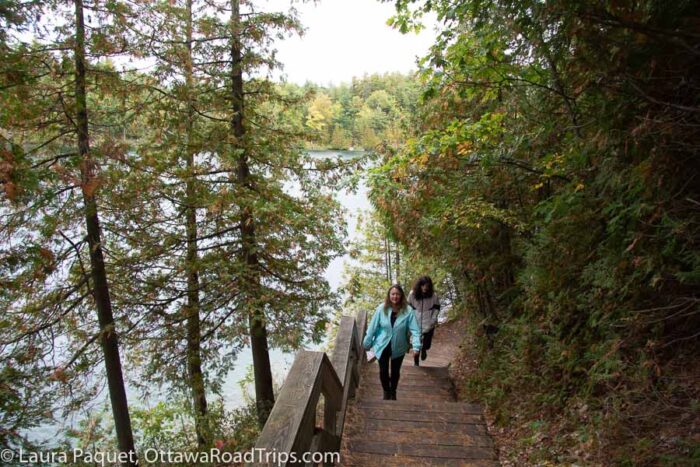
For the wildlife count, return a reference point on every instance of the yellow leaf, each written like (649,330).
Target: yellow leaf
(464,148)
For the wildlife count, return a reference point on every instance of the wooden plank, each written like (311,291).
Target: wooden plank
(408,373)
(430,370)
(324,441)
(417,391)
(422,450)
(361,321)
(333,394)
(409,392)
(371,460)
(402,397)
(427,386)
(452,407)
(290,425)
(355,376)
(407,386)
(449,439)
(444,427)
(426,379)
(348,391)
(419,416)
(345,363)
(374,376)
(414,372)
(343,346)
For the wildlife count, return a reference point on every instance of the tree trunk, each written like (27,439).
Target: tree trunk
(458,297)
(108,338)
(264,395)
(397,263)
(387,246)
(194,337)
(482,293)
(507,275)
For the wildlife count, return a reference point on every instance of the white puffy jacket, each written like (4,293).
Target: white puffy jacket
(426,309)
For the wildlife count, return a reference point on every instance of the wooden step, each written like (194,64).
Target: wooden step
(372,377)
(426,389)
(446,439)
(368,423)
(405,395)
(422,370)
(413,384)
(445,406)
(425,426)
(402,397)
(413,376)
(371,460)
(427,451)
(417,415)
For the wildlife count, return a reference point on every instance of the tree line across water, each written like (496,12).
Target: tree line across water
(148,224)
(542,166)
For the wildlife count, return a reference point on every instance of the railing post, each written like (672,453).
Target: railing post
(345,360)
(361,330)
(291,426)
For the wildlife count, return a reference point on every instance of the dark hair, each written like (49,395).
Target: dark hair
(387,302)
(418,288)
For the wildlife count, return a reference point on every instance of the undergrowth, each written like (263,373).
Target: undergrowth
(599,406)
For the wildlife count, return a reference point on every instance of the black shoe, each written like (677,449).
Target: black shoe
(387,395)
(416,362)
(393,395)
(423,354)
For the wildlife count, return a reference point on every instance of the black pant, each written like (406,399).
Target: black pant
(389,383)
(428,339)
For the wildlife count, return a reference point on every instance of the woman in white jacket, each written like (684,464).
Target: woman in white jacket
(427,308)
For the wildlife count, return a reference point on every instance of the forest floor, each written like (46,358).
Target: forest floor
(462,368)
(659,428)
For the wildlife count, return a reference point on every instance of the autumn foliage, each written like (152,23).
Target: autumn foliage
(556,177)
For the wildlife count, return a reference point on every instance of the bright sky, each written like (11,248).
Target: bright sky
(346,38)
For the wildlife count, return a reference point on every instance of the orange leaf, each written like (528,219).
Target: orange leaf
(10,190)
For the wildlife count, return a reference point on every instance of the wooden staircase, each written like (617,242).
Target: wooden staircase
(425,425)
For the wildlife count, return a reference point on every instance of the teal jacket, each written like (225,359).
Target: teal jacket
(379,332)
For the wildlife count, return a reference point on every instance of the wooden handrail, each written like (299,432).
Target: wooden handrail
(291,426)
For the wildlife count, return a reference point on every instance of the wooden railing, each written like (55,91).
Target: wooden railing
(291,427)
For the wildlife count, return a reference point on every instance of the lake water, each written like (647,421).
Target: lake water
(353,203)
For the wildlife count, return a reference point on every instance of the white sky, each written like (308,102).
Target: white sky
(346,38)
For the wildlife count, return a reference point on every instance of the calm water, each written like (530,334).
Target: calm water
(353,203)
(280,361)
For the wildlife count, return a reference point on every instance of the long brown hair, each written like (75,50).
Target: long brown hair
(387,301)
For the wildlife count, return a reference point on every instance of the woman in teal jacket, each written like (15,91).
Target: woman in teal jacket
(387,336)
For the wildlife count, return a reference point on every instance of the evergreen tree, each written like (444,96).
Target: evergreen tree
(47,223)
